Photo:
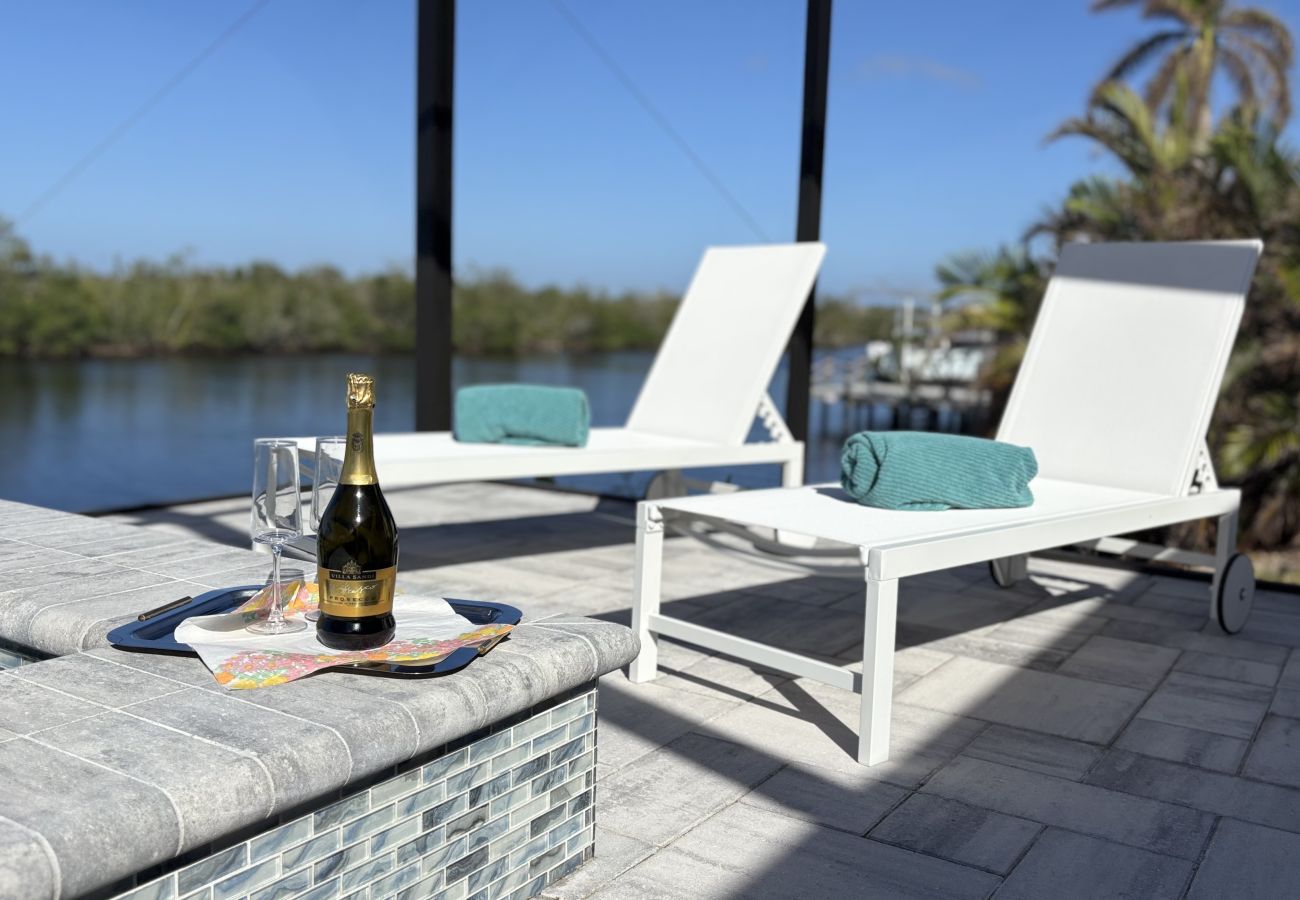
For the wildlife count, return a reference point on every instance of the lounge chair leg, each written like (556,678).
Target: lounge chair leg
(877,671)
(1225,545)
(1009,570)
(666,485)
(792,476)
(792,473)
(645,589)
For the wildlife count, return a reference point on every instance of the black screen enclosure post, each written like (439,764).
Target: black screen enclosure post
(435,71)
(816,72)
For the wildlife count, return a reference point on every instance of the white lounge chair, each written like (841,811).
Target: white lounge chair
(697,405)
(1114,395)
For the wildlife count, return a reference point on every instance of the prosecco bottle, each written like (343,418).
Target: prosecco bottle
(356,547)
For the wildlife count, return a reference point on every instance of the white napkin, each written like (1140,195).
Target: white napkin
(427,628)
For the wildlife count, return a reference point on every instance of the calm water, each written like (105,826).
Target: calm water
(96,435)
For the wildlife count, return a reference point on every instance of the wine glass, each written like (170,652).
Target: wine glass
(277,519)
(291,579)
(326,471)
(325,478)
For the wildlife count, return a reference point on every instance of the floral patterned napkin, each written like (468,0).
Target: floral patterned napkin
(428,629)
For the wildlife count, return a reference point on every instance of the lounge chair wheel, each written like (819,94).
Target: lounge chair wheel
(1009,570)
(1236,593)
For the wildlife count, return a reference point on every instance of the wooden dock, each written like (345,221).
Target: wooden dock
(849,397)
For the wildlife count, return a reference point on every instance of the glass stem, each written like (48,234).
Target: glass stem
(276,616)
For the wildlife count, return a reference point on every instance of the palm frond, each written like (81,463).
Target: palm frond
(1001,290)
(1074,127)
(1121,102)
(1240,74)
(964,273)
(1264,27)
(1264,54)
(1162,82)
(1121,123)
(1260,173)
(1264,60)
(1100,201)
(1143,53)
(1187,12)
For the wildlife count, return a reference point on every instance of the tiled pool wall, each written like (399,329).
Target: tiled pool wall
(498,814)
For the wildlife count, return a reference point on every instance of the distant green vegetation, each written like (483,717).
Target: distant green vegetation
(48,309)
(841,323)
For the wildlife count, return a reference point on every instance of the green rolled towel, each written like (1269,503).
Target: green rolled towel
(521,414)
(918,470)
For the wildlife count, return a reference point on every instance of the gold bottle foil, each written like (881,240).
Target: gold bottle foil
(361,391)
(359,457)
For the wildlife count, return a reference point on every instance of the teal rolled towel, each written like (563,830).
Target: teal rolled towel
(521,414)
(919,470)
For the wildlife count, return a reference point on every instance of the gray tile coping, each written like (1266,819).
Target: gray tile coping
(114,762)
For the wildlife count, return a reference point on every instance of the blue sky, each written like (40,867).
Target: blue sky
(294,142)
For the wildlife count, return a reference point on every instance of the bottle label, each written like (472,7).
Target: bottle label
(354,593)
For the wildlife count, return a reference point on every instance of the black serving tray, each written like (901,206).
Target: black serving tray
(158,634)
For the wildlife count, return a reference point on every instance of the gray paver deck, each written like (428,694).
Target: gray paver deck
(1248,861)
(1068,866)
(1083,734)
(965,834)
(1045,701)
(1208,704)
(1185,745)
(1275,755)
(1035,751)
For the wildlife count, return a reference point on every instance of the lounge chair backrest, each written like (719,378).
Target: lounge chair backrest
(725,342)
(1123,368)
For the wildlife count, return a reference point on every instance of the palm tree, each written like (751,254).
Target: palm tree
(1251,47)
(1257,173)
(1163,168)
(1097,208)
(1120,122)
(1188,178)
(1261,451)
(998,292)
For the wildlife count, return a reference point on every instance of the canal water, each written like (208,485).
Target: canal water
(97,435)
